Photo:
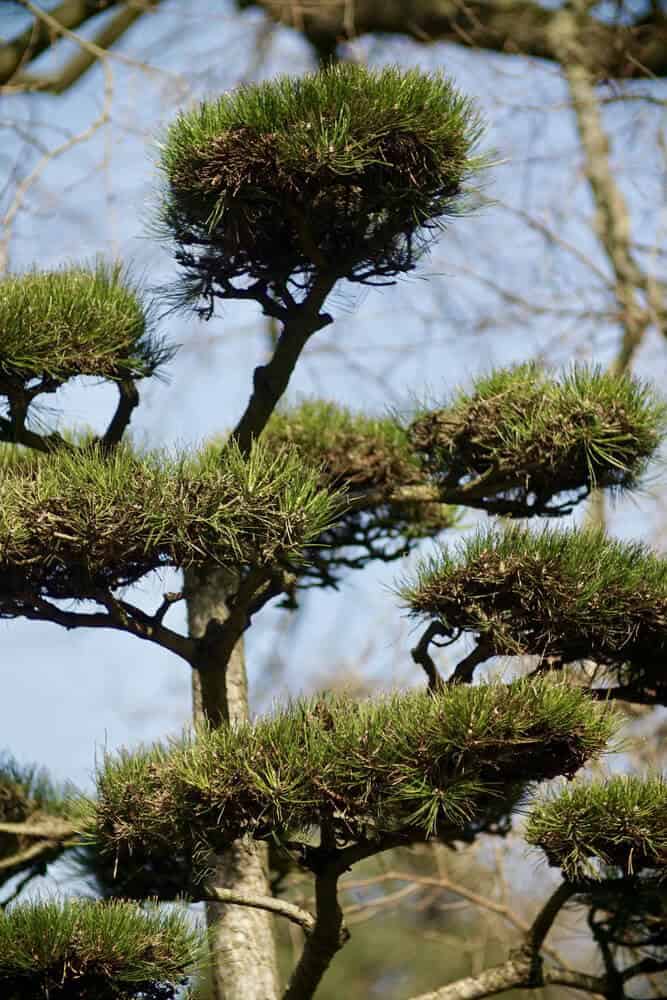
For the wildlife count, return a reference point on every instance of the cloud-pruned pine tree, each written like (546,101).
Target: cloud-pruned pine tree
(274,193)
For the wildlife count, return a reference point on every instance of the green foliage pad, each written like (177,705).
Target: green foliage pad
(521,438)
(359,454)
(589,828)
(339,170)
(565,593)
(80,949)
(410,764)
(75,523)
(76,321)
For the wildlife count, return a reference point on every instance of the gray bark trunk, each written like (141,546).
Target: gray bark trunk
(244,965)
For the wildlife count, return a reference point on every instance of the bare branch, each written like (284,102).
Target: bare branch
(82,61)
(636,48)
(523,969)
(270,381)
(52,829)
(612,219)
(120,615)
(302,918)
(465,668)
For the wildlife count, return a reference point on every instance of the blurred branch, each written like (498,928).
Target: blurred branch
(523,969)
(49,26)
(612,218)
(24,187)
(637,47)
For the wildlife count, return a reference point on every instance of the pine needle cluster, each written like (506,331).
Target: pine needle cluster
(80,949)
(340,169)
(570,594)
(588,828)
(75,523)
(522,437)
(411,764)
(55,325)
(359,454)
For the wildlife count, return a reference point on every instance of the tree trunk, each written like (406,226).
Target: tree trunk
(243,949)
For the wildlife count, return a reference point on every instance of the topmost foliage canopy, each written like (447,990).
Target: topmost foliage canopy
(337,170)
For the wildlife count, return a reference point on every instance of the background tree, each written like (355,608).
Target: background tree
(275,193)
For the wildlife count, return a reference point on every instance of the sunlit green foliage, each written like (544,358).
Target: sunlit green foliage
(523,437)
(412,763)
(80,949)
(588,827)
(574,594)
(75,522)
(76,321)
(338,169)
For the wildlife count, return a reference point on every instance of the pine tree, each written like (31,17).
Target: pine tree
(276,193)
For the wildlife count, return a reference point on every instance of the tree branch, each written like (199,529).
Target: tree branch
(120,615)
(47,29)
(465,668)
(329,933)
(612,219)
(82,61)
(523,969)
(513,27)
(422,658)
(270,381)
(302,918)
(32,42)
(127,402)
(626,692)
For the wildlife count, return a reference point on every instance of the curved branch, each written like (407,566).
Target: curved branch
(127,402)
(270,381)
(47,29)
(302,918)
(422,657)
(465,668)
(120,615)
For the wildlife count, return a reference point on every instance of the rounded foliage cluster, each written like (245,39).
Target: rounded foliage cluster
(76,523)
(568,594)
(412,764)
(55,325)
(589,828)
(79,949)
(338,170)
(521,438)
